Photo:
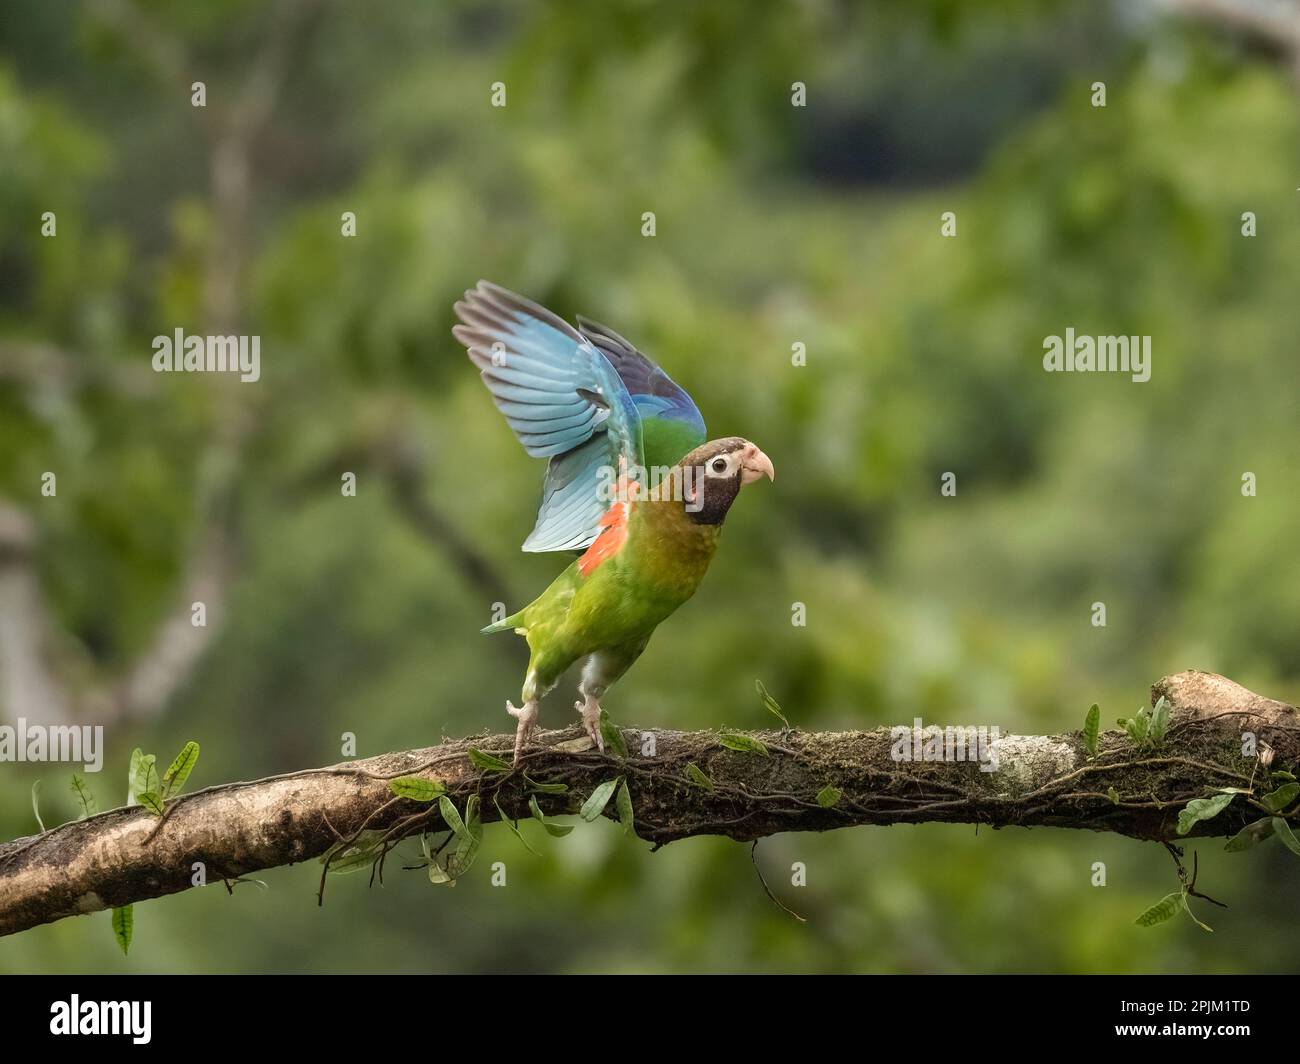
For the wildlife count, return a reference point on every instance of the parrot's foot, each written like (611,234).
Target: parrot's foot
(590,710)
(527,717)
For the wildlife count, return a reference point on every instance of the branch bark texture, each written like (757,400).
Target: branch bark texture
(129,854)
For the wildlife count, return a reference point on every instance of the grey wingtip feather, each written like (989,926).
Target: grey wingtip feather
(590,326)
(530,546)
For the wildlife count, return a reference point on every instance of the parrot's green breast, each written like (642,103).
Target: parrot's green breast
(627,596)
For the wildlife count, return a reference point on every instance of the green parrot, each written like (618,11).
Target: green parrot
(631,482)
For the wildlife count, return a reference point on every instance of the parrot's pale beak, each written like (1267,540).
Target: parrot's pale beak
(755,464)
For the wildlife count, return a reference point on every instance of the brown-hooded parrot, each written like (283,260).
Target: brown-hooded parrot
(631,482)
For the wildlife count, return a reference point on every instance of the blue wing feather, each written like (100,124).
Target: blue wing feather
(671,422)
(562,398)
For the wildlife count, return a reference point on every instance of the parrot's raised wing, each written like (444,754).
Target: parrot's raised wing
(671,425)
(563,399)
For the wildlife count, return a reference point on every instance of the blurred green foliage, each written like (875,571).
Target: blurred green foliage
(775,225)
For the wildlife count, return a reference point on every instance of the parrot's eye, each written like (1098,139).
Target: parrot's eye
(718,465)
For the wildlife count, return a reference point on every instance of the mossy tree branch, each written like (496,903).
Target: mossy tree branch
(128,855)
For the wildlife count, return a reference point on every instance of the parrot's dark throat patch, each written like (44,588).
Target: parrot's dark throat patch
(718,495)
(706,499)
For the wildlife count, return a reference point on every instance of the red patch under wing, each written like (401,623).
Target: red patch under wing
(609,540)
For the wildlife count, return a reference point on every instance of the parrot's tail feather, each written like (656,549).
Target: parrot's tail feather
(506,624)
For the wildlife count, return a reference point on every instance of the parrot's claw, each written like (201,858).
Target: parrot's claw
(527,717)
(590,710)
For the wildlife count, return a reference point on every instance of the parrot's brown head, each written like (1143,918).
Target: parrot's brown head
(713,474)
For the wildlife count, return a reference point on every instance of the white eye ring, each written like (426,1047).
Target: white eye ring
(718,465)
